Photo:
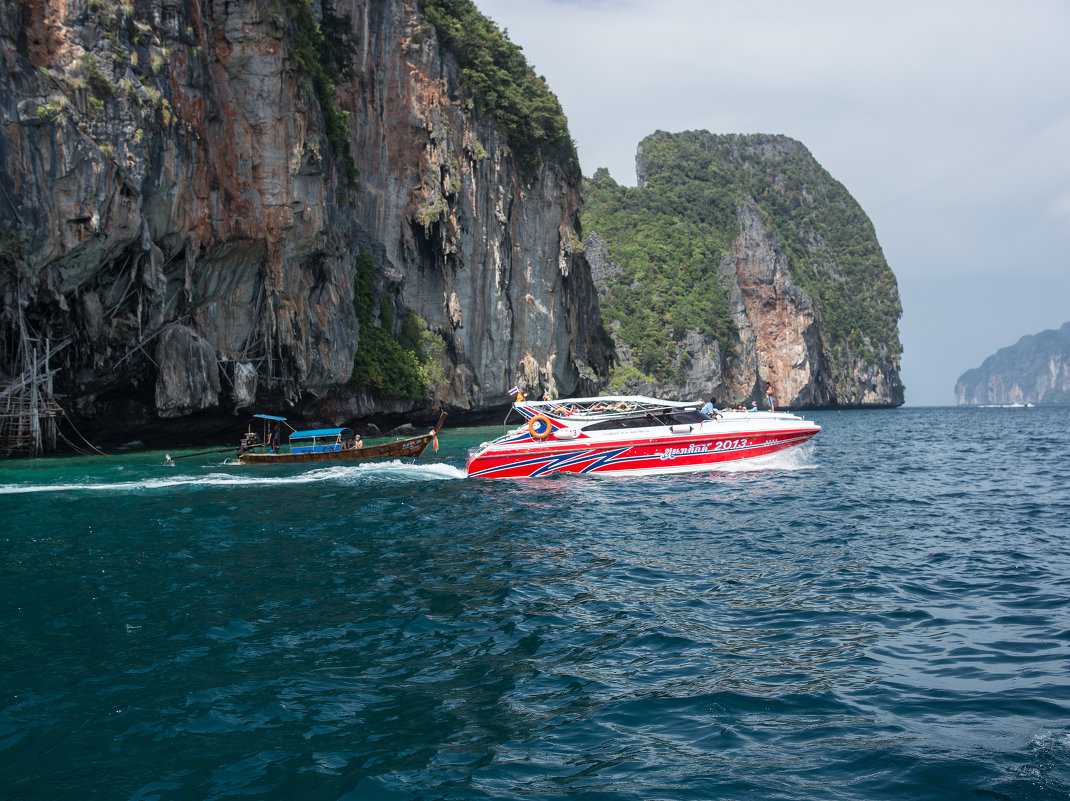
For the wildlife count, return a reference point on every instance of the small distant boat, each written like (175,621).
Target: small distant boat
(329,445)
(631,435)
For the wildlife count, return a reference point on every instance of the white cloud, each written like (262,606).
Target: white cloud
(1060,208)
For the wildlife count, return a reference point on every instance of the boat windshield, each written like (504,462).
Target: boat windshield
(646,419)
(631,408)
(602,407)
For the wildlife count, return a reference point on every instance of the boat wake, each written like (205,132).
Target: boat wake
(800,457)
(382,472)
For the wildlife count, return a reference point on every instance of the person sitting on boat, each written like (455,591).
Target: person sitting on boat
(710,409)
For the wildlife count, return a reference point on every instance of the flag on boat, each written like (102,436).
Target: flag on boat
(514,391)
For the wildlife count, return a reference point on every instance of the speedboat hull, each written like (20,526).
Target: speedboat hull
(662,447)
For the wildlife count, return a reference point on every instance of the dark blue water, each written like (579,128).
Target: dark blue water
(884,614)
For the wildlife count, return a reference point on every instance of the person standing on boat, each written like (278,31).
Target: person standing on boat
(769,396)
(274,439)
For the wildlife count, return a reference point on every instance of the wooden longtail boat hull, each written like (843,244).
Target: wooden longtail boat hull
(411,447)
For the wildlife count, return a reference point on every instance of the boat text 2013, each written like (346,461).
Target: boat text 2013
(691,450)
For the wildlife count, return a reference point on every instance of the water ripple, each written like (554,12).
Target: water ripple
(879,616)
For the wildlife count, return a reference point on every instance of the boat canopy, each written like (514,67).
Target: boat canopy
(270,417)
(322,432)
(600,407)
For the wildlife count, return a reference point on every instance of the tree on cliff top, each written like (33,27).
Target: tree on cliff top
(496,76)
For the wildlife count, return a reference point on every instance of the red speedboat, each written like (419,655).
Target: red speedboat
(631,435)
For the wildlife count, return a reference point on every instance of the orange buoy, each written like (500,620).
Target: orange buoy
(547,428)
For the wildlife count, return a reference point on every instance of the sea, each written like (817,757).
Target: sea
(883,613)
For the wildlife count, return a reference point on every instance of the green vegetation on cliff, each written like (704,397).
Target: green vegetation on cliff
(501,84)
(325,52)
(670,233)
(401,366)
(669,244)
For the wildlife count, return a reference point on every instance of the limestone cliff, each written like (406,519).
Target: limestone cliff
(739,262)
(177,221)
(1036,369)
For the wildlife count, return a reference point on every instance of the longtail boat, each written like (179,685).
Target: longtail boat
(329,445)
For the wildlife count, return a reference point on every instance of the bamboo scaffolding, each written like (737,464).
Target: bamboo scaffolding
(28,411)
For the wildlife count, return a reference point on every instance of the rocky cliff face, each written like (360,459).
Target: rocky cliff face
(809,306)
(1036,369)
(779,340)
(175,221)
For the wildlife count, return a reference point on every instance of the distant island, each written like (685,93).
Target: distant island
(1036,369)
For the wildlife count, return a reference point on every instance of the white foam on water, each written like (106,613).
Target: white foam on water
(374,471)
(800,457)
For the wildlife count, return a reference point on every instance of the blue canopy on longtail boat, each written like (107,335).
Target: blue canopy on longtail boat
(270,417)
(322,432)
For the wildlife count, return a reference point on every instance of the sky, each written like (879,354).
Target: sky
(948,121)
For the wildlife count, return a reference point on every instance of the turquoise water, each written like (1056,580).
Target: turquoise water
(882,614)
